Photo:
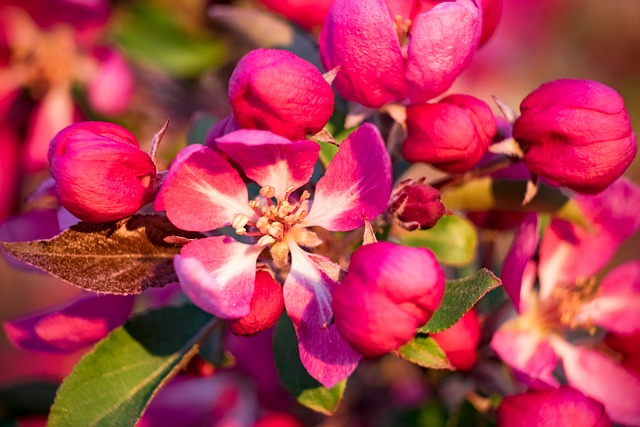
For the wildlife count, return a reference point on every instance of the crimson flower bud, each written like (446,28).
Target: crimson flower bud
(460,341)
(389,292)
(415,204)
(101,173)
(266,306)
(275,90)
(452,134)
(577,133)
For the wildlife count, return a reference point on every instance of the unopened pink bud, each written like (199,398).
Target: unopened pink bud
(415,204)
(491,13)
(266,306)
(275,90)
(100,172)
(308,14)
(452,134)
(460,341)
(577,133)
(389,292)
(560,407)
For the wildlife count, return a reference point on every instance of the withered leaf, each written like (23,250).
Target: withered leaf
(123,258)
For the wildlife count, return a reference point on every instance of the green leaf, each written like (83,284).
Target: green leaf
(121,258)
(152,34)
(453,240)
(459,297)
(113,385)
(424,351)
(486,194)
(307,390)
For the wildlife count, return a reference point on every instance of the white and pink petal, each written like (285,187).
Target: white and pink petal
(308,290)
(356,185)
(218,274)
(202,191)
(270,159)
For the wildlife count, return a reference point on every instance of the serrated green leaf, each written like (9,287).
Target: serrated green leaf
(453,240)
(459,297)
(486,194)
(112,385)
(306,389)
(424,351)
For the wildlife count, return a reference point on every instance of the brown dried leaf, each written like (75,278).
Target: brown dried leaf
(121,258)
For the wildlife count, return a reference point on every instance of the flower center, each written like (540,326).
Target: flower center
(275,219)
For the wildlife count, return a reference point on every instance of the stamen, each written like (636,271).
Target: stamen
(268,191)
(265,241)
(239,221)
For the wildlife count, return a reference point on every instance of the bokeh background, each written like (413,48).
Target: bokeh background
(182,53)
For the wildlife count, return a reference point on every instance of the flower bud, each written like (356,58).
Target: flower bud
(452,134)
(389,292)
(460,341)
(100,172)
(491,13)
(559,407)
(275,90)
(308,14)
(266,306)
(577,133)
(415,204)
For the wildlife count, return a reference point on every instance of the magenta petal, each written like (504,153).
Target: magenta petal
(568,252)
(443,41)
(111,88)
(522,250)
(69,328)
(616,307)
(217,274)
(602,378)
(356,185)
(307,297)
(359,37)
(270,159)
(560,407)
(531,357)
(202,191)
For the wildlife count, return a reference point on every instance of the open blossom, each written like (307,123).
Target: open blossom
(202,192)
(395,290)
(275,90)
(570,299)
(452,134)
(101,174)
(398,50)
(577,133)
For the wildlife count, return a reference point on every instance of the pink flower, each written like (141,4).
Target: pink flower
(491,13)
(388,293)
(570,299)
(391,53)
(460,341)
(202,191)
(452,134)
(561,407)
(111,88)
(266,306)
(577,133)
(415,204)
(277,91)
(100,172)
(309,14)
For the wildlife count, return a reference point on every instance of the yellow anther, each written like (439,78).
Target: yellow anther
(265,241)
(268,191)
(239,221)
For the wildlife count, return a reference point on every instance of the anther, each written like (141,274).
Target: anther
(265,241)
(239,221)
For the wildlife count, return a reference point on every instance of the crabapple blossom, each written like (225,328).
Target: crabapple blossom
(576,133)
(397,287)
(392,52)
(569,300)
(275,90)
(452,134)
(100,172)
(202,192)
(460,341)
